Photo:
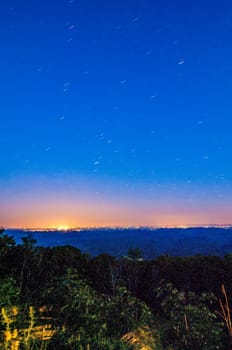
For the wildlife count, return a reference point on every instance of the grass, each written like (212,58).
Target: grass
(31,338)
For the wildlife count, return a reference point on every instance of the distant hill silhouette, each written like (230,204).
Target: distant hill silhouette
(151,242)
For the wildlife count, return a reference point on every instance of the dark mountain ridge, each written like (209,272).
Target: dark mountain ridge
(152,241)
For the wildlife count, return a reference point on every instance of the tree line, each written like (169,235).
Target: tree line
(107,303)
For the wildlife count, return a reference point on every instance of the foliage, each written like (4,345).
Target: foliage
(14,338)
(225,312)
(134,254)
(143,339)
(6,242)
(6,245)
(190,324)
(125,313)
(107,303)
(92,317)
(69,340)
(9,292)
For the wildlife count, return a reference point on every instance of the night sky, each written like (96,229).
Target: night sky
(115,112)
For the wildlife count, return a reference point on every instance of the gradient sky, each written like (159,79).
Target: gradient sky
(115,112)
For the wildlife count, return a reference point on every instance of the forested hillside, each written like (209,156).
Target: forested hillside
(59,298)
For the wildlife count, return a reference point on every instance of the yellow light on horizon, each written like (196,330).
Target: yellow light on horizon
(62,228)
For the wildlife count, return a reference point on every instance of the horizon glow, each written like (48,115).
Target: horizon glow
(81,203)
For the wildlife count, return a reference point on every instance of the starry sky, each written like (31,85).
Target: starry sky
(115,112)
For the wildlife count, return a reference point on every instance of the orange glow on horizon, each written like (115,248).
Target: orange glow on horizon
(63,228)
(67,215)
(111,219)
(46,205)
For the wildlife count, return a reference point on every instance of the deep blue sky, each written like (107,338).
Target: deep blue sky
(126,102)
